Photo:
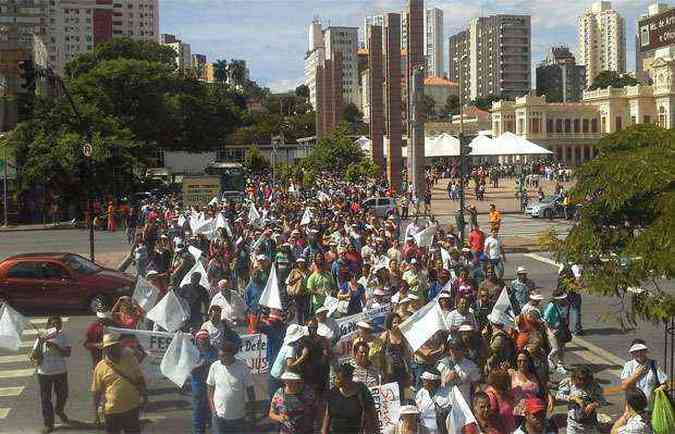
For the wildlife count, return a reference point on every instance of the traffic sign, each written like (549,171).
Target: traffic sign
(87,150)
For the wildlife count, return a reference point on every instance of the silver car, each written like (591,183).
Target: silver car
(546,208)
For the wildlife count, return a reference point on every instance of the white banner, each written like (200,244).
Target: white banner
(153,344)
(347,324)
(254,352)
(387,404)
(502,312)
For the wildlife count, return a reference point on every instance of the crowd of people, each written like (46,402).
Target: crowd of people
(333,259)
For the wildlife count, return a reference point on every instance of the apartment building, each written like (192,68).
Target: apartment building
(433,42)
(494,57)
(183,52)
(602,40)
(76,26)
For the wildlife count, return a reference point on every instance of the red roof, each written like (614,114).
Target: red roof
(438,81)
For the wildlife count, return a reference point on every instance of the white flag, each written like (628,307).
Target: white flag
(181,220)
(12,324)
(197,268)
(270,296)
(502,312)
(168,313)
(422,325)
(180,358)
(460,418)
(145,294)
(426,237)
(445,255)
(195,252)
(214,201)
(253,214)
(306,217)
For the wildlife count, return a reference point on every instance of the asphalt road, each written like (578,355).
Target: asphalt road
(604,347)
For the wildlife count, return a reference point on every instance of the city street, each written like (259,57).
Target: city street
(604,346)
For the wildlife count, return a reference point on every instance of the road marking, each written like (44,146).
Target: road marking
(33,332)
(17,373)
(11,391)
(611,358)
(44,320)
(4,412)
(543,259)
(14,359)
(26,344)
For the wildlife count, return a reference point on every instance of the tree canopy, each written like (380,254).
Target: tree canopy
(335,152)
(625,237)
(612,78)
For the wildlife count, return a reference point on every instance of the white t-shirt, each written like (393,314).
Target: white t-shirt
(230,383)
(53,363)
(647,382)
(427,408)
(493,247)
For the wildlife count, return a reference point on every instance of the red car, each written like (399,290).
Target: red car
(64,280)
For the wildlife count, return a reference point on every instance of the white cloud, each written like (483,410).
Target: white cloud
(283,85)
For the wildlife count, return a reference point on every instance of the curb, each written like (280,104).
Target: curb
(37,228)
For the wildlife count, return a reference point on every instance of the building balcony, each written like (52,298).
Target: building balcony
(551,135)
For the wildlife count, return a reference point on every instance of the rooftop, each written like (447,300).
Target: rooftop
(438,81)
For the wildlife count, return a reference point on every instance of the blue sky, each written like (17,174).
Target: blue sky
(272,34)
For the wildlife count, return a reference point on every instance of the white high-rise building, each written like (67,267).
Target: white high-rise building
(433,42)
(602,40)
(313,59)
(345,40)
(77,26)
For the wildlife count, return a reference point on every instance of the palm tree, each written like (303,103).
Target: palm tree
(237,72)
(220,71)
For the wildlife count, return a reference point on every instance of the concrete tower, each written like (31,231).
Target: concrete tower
(375,83)
(392,58)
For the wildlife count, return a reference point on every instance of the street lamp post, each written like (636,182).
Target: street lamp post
(461,222)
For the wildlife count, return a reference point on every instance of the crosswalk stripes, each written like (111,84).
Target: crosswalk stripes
(10,389)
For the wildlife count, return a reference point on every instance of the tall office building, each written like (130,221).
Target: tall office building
(602,40)
(19,21)
(433,42)
(345,40)
(77,26)
(494,56)
(559,77)
(316,56)
(653,38)
(378,20)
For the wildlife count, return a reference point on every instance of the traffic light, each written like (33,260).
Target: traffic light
(27,73)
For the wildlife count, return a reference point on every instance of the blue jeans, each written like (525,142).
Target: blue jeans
(574,300)
(223,426)
(498,267)
(200,407)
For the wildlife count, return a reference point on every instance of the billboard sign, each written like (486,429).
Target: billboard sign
(657,31)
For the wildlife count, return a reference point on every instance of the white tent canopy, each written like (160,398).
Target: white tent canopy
(510,144)
(445,145)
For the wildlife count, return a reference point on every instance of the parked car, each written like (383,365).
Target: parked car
(383,206)
(60,280)
(547,207)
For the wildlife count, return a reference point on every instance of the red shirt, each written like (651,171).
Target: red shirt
(476,241)
(94,335)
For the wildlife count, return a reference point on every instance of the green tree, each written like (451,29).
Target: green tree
(612,78)
(220,71)
(485,103)
(450,108)
(302,91)
(335,152)
(255,162)
(352,118)
(624,237)
(428,107)
(237,73)
(363,171)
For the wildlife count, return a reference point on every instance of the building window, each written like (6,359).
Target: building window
(577,126)
(584,126)
(549,126)
(618,123)
(603,124)
(594,125)
(558,126)
(568,126)
(646,119)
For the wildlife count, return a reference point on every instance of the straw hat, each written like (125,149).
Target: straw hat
(108,341)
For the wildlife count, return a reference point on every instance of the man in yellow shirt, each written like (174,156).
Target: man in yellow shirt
(495,218)
(119,377)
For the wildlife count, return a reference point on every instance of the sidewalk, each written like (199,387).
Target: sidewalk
(37,227)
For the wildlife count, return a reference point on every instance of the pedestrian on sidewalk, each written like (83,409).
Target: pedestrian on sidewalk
(118,378)
(49,354)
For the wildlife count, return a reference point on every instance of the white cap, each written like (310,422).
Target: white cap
(638,347)
(465,328)
(413,297)
(104,315)
(322,309)
(430,376)
(363,325)
(291,376)
(466,249)
(521,269)
(301,259)
(294,332)
(408,409)
(379,291)
(444,294)
(536,296)
(261,258)
(561,297)
(151,273)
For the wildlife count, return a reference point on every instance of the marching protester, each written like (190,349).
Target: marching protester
(358,308)
(49,355)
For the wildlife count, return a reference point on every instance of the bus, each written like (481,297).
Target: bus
(232,179)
